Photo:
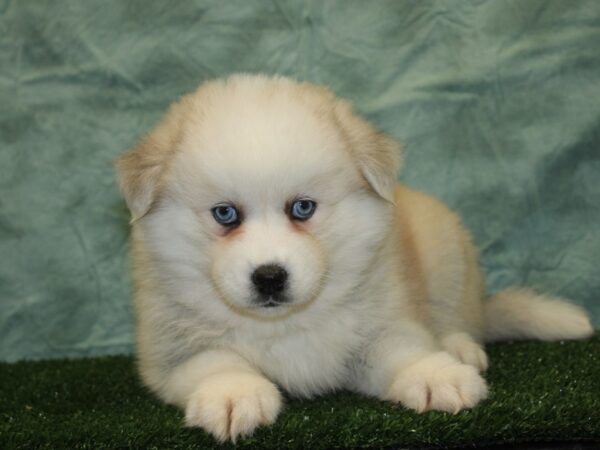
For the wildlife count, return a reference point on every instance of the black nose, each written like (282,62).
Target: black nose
(269,279)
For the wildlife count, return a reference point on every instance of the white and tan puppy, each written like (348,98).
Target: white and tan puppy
(273,248)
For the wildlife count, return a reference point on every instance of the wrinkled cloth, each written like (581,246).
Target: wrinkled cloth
(497,103)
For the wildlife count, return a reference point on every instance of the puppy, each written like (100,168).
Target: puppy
(273,248)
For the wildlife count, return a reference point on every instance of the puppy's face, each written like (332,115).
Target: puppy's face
(261,201)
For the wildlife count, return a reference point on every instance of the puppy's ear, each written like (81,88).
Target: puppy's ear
(141,169)
(377,155)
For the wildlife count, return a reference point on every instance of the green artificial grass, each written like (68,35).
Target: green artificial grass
(539,392)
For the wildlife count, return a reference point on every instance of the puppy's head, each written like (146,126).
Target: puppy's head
(262,194)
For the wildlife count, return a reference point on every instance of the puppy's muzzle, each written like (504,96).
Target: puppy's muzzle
(270,281)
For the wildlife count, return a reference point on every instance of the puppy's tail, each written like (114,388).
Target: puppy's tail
(525,314)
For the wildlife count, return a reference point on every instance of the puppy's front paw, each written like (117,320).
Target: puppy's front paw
(466,350)
(233,404)
(438,382)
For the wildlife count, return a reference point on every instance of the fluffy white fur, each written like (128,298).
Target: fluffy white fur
(386,295)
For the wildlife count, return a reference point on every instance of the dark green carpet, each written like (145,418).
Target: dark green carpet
(539,392)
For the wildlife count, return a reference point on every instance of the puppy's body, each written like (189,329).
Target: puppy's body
(383,293)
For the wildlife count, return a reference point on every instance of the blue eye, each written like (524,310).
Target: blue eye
(302,209)
(226,215)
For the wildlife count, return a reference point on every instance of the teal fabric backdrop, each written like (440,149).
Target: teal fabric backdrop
(498,104)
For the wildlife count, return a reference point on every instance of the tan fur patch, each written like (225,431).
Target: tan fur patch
(411,266)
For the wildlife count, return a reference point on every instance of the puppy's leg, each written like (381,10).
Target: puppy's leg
(223,393)
(405,365)
(436,242)
(456,313)
(455,290)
